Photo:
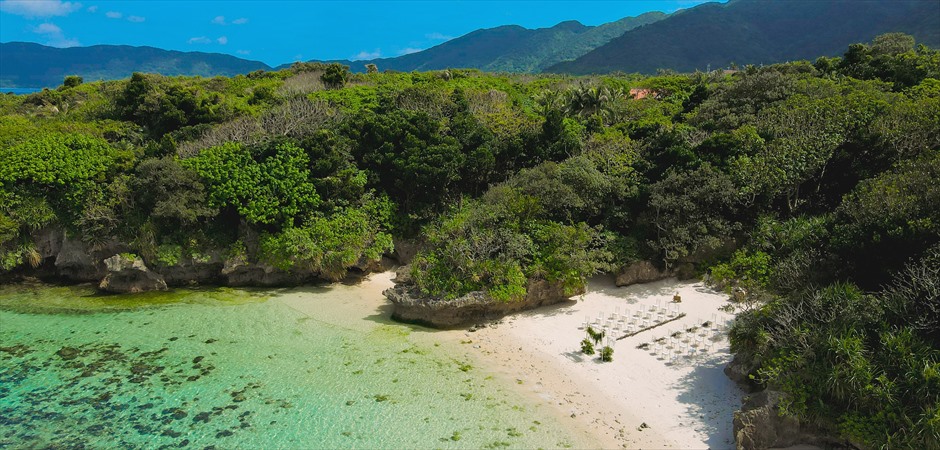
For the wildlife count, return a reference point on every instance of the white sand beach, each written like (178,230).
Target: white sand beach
(686,403)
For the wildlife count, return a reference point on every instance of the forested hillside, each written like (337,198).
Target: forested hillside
(512,48)
(808,190)
(757,32)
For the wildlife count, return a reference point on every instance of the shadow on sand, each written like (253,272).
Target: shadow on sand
(705,394)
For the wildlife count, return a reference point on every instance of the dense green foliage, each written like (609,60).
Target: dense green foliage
(807,190)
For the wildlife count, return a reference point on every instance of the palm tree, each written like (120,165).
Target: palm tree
(589,100)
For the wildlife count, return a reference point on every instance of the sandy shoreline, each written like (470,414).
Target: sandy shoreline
(685,403)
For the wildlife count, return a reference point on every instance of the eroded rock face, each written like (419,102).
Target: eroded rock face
(739,370)
(238,272)
(189,271)
(641,272)
(758,425)
(405,250)
(75,261)
(48,242)
(128,274)
(474,307)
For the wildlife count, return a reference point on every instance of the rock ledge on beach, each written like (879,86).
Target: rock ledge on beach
(641,272)
(474,307)
(128,274)
(759,425)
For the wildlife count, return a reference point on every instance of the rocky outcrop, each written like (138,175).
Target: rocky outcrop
(739,371)
(474,307)
(128,274)
(641,272)
(405,250)
(239,272)
(75,261)
(759,425)
(192,273)
(48,242)
(190,270)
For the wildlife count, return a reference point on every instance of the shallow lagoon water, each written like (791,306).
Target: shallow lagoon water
(242,369)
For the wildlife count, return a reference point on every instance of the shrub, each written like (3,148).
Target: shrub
(607,354)
(587,347)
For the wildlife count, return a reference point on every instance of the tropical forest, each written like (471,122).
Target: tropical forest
(805,192)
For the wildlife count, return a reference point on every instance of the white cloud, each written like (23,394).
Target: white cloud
(222,40)
(39,8)
(298,57)
(367,55)
(219,20)
(135,19)
(93,9)
(113,15)
(438,37)
(409,50)
(243,52)
(199,40)
(47,28)
(54,36)
(240,21)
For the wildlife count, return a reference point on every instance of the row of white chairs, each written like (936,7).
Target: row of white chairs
(632,320)
(681,344)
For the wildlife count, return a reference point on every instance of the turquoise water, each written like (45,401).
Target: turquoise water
(240,369)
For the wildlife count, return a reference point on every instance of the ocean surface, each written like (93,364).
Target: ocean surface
(226,368)
(19,91)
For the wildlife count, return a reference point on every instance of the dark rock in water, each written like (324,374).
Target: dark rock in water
(470,308)
(197,359)
(128,274)
(176,413)
(183,443)
(68,353)
(202,417)
(224,433)
(16,350)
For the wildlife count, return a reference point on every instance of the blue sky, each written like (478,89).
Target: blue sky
(277,32)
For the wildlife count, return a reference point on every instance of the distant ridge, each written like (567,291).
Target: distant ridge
(510,48)
(757,32)
(711,35)
(24,64)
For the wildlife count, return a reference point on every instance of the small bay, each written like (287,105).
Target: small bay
(291,368)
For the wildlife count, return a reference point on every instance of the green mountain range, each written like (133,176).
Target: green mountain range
(24,64)
(711,35)
(512,48)
(757,32)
